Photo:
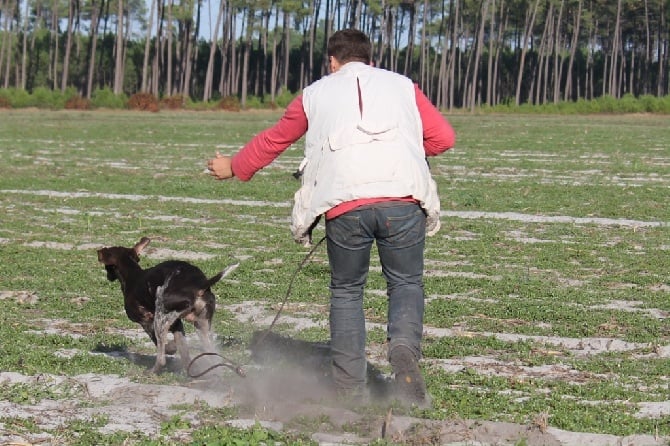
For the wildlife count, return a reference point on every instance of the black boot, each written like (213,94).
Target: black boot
(409,385)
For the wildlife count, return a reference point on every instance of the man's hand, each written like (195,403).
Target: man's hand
(220,167)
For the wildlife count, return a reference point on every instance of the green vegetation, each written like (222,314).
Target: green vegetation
(105,99)
(551,267)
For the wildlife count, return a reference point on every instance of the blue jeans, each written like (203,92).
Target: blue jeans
(399,230)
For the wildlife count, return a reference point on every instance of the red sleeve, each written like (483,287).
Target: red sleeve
(271,142)
(438,135)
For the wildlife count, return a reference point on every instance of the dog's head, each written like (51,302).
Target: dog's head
(114,256)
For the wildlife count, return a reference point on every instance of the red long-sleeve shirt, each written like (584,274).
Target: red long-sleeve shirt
(265,147)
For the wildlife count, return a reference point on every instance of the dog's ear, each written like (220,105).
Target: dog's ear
(103,255)
(144,241)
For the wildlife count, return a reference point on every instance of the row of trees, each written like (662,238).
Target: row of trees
(463,53)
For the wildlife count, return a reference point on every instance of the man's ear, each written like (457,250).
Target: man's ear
(333,64)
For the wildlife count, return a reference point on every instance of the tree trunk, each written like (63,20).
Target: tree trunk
(158,64)
(424,57)
(399,25)
(646,65)
(24,48)
(147,48)
(558,63)
(6,14)
(527,35)
(451,69)
(589,89)
(93,44)
(314,21)
(273,65)
(489,62)
(287,49)
(169,66)
(233,84)
(380,49)
(478,52)
(662,82)
(616,44)
(540,73)
(209,74)
(246,51)
(262,64)
(118,65)
(504,20)
(68,46)
(188,60)
(465,79)
(577,21)
(53,48)
(409,55)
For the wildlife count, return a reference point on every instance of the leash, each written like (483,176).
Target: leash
(232,366)
(236,367)
(290,287)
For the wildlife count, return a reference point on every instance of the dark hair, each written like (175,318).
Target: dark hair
(349,45)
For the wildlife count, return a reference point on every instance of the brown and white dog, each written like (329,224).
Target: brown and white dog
(160,297)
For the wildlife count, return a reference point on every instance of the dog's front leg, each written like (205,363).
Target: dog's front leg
(160,331)
(162,324)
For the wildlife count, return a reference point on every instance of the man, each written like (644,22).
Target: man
(367,132)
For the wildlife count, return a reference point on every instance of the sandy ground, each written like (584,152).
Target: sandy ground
(285,382)
(129,406)
(276,396)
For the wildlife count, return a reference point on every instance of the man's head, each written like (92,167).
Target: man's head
(349,45)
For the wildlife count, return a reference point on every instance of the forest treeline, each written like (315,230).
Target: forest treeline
(463,53)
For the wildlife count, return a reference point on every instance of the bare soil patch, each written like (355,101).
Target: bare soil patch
(285,389)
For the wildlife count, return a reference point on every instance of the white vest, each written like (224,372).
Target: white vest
(369,150)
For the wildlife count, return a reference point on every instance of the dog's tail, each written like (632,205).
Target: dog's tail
(222,274)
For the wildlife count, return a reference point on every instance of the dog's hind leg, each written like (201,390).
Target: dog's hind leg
(203,328)
(182,346)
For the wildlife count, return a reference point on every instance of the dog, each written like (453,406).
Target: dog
(161,297)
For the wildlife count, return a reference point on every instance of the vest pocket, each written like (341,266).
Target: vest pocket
(361,135)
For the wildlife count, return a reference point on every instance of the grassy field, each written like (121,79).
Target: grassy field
(548,287)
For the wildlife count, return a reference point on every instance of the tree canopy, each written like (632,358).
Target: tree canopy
(463,53)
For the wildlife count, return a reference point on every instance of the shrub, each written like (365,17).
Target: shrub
(629,104)
(650,104)
(663,104)
(46,98)
(190,104)
(5,101)
(143,102)
(18,98)
(77,103)
(566,107)
(606,104)
(525,108)
(254,102)
(105,98)
(267,103)
(230,103)
(173,102)
(284,98)
(586,106)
